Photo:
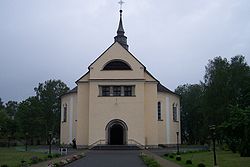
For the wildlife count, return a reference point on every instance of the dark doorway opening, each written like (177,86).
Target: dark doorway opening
(116,132)
(116,135)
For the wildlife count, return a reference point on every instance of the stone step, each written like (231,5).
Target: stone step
(115,147)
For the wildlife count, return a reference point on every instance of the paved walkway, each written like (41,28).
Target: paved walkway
(121,158)
(113,158)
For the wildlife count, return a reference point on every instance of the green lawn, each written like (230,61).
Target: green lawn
(12,157)
(224,159)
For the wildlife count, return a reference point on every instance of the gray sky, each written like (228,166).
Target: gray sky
(58,39)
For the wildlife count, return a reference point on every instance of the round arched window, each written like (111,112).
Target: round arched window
(117,65)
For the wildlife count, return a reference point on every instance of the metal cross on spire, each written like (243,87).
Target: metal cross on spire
(121,3)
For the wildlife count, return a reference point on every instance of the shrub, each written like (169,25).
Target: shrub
(23,163)
(171,156)
(224,147)
(49,156)
(188,161)
(201,165)
(4,165)
(178,158)
(166,155)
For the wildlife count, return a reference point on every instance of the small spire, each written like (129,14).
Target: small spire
(120,30)
(121,38)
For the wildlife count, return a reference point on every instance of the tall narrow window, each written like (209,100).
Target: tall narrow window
(159,111)
(175,112)
(64,112)
(105,90)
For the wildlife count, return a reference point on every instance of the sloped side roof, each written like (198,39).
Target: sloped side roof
(74,90)
(162,88)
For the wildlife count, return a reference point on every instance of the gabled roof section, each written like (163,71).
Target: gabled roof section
(109,48)
(100,56)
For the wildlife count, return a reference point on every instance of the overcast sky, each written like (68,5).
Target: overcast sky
(58,39)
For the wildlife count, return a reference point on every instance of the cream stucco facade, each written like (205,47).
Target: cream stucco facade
(119,105)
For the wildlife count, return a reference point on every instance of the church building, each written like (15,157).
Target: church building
(118,102)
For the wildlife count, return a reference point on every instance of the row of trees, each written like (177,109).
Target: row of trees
(35,116)
(222,99)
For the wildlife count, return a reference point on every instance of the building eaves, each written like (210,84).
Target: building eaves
(162,88)
(74,90)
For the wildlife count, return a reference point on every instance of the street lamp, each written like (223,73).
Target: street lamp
(177,145)
(212,130)
(26,141)
(50,138)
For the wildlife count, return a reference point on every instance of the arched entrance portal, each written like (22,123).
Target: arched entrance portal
(116,132)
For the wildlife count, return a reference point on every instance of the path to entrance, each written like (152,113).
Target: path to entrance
(121,158)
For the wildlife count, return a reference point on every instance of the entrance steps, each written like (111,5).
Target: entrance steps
(115,147)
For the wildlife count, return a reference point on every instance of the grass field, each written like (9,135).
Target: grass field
(12,157)
(224,159)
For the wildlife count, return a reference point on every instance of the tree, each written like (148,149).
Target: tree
(11,108)
(239,82)
(217,90)
(3,126)
(192,116)
(29,118)
(1,104)
(3,117)
(48,94)
(7,123)
(226,84)
(236,129)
